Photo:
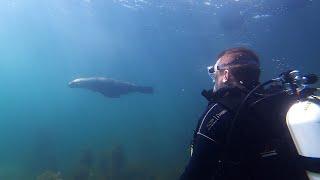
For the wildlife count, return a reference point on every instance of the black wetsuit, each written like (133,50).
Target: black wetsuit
(222,152)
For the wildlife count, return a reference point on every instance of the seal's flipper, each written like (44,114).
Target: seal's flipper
(111,95)
(114,96)
(144,89)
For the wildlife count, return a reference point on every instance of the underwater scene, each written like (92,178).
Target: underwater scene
(56,123)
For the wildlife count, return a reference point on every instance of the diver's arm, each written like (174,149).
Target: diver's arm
(207,144)
(204,160)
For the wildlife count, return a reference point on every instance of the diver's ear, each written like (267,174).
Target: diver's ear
(226,75)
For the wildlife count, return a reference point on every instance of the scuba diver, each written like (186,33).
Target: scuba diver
(246,132)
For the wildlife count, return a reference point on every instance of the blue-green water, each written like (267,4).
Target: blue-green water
(46,126)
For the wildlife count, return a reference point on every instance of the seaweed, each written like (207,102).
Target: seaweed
(118,162)
(49,175)
(85,167)
(82,173)
(44,151)
(87,159)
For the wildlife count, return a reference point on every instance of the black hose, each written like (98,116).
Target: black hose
(233,122)
(264,98)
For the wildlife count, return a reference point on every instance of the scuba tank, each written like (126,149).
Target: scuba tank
(300,116)
(303,121)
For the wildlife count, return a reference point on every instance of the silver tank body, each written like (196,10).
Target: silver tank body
(303,120)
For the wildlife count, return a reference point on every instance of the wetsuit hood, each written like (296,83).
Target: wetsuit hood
(230,97)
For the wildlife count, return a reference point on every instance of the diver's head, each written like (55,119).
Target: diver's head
(238,67)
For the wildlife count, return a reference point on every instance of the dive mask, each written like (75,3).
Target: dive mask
(212,73)
(212,70)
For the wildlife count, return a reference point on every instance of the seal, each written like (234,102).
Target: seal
(109,87)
